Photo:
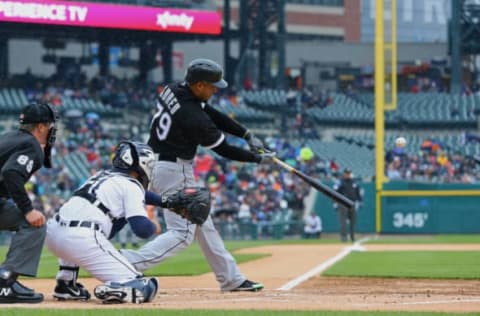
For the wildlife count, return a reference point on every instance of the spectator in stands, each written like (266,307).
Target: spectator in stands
(313,226)
(397,151)
(393,170)
(469,137)
(333,166)
(454,111)
(203,163)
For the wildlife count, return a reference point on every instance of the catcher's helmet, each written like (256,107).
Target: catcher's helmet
(205,70)
(38,113)
(134,156)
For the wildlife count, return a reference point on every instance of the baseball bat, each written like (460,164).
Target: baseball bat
(319,186)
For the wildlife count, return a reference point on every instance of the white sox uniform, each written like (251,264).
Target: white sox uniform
(79,234)
(181,124)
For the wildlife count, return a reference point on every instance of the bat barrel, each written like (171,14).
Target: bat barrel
(321,187)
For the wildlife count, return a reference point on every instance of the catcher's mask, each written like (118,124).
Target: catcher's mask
(135,156)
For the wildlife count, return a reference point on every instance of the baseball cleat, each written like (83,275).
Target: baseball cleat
(136,291)
(8,295)
(12,291)
(70,291)
(249,286)
(114,293)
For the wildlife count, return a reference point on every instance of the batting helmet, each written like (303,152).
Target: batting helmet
(38,113)
(134,156)
(205,70)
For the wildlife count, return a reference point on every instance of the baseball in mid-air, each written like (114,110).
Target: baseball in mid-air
(400,142)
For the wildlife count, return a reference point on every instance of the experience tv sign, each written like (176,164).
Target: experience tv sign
(110,16)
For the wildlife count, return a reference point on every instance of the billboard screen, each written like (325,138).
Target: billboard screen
(86,14)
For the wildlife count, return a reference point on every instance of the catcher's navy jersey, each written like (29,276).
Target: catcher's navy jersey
(181,124)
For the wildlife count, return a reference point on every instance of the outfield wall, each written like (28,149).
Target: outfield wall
(411,214)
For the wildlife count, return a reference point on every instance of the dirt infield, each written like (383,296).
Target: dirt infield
(288,262)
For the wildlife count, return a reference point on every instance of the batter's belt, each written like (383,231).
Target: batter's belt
(166,157)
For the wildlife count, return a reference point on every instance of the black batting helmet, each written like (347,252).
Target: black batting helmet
(205,70)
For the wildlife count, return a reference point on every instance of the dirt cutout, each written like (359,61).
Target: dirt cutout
(288,262)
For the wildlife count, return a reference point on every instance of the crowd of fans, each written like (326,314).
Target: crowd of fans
(242,193)
(432,163)
(258,195)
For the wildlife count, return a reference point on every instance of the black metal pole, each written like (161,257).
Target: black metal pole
(456,49)
(167,55)
(3,56)
(262,45)
(104,57)
(281,38)
(226,43)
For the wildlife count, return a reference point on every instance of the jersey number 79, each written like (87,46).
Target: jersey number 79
(162,120)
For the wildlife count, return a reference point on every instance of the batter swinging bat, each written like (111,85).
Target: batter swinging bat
(323,188)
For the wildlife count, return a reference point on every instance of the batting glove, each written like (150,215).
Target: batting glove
(266,158)
(254,142)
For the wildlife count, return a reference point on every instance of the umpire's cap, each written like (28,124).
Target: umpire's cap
(205,70)
(38,113)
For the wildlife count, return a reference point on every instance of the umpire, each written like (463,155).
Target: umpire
(22,152)
(351,190)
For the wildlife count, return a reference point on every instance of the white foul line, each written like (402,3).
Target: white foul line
(323,266)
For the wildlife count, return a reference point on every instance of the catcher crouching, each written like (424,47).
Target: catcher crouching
(79,233)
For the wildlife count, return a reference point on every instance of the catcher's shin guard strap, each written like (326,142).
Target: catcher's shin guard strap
(69,268)
(74,271)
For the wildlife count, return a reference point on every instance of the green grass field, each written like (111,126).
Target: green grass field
(409,264)
(189,262)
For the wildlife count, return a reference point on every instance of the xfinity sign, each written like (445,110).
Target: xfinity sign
(167,19)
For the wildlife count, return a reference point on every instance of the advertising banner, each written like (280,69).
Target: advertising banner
(85,14)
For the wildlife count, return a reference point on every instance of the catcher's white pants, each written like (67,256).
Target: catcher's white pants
(89,249)
(169,177)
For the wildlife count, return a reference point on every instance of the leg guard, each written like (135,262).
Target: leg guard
(70,289)
(136,291)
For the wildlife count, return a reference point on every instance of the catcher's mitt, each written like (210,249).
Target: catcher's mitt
(190,203)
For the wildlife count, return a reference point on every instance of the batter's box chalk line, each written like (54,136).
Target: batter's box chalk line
(357,246)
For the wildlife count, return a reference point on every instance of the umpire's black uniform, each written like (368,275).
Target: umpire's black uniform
(351,190)
(20,156)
